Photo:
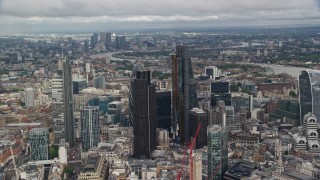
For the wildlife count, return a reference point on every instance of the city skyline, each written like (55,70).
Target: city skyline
(70,15)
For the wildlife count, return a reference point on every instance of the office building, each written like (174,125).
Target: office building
(197,165)
(310,132)
(163,99)
(39,144)
(120,42)
(99,82)
(220,87)
(94,40)
(198,116)
(220,90)
(93,168)
(114,112)
(215,98)
(212,72)
(309,96)
(102,102)
(90,128)
(57,107)
(68,102)
(217,152)
(137,67)
(78,85)
(108,38)
(144,114)
(28,97)
(184,92)
(103,37)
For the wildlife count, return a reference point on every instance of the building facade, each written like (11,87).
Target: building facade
(144,115)
(57,107)
(309,93)
(39,142)
(68,102)
(184,92)
(90,128)
(217,152)
(163,99)
(29,97)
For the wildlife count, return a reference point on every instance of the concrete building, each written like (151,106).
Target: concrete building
(99,82)
(94,168)
(29,97)
(212,72)
(197,166)
(57,107)
(56,172)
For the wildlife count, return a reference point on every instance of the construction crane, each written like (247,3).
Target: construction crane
(191,146)
(14,163)
(191,150)
(182,164)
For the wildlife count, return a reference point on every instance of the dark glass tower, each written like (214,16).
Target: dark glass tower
(309,93)
(184,92)
(68,102)
(163,109)
(144,114)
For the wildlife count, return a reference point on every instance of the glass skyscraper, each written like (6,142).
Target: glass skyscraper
(39,144)
(68,102)
(184,92)
(217,152)
(309,95)
(90,128)
(144,115)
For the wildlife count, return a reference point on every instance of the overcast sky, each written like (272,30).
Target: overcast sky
(59,15)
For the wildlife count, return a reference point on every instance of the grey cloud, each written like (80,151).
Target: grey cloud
(176,12)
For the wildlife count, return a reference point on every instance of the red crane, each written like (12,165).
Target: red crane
(191,149)
(190,156)
(182,164)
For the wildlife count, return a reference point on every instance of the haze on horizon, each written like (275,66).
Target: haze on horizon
(20,16)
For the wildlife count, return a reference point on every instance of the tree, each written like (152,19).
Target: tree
(292,93)
(53,152)
(68,169)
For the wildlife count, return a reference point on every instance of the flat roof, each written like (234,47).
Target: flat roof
(24,124)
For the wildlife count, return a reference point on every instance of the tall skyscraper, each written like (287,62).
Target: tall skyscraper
(163,99)
(103,37)
(120,42)
(57,107)
(108,38)
(90,128)
(137,67)
(144,114)
(184,92)
(309,95)
(217,152)
(68,102)
(39,143)
(28,97)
